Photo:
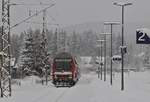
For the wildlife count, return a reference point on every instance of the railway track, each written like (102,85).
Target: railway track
(47,96)
(61,95)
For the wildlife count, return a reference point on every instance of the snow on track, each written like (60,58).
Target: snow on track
(88,89)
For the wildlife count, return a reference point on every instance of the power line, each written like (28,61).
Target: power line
(41,23)
(23,4)
(38,12)
(5,48)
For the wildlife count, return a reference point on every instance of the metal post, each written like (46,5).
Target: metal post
(1,90)
(56,42)
(1,50)
(101,41)
(101,62)
(5,77)
(105,57)
(111,30)
(122,54)
(46,76)
(9,49)
(98,70)
(44,44)
(111,57)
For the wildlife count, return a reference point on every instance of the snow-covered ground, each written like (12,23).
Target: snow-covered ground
(88,89)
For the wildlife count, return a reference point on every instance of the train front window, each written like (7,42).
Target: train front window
(63,64)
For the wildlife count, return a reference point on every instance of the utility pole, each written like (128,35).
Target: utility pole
(44,45)
(111,31)
(5,51)
(5,48)
(62,41)
(56,42)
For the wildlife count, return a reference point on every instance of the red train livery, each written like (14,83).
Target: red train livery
(64,70)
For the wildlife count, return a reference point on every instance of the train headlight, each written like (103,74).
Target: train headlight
(70,77)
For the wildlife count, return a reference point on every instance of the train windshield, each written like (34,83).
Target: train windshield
(63,64)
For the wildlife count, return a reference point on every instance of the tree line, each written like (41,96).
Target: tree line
(26,47)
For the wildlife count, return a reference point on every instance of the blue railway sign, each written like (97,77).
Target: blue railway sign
(143,36)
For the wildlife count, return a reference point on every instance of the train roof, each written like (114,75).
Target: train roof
(63,55)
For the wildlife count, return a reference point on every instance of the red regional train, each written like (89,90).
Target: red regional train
(65,71)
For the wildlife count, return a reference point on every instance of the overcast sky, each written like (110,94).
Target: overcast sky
(69,12)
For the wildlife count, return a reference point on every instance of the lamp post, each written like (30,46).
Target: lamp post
(101,59)
(122,53)
(104,34)
(98,71)
(104,57)
(111,31)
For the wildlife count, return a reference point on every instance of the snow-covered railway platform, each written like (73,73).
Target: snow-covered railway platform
(88,89)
